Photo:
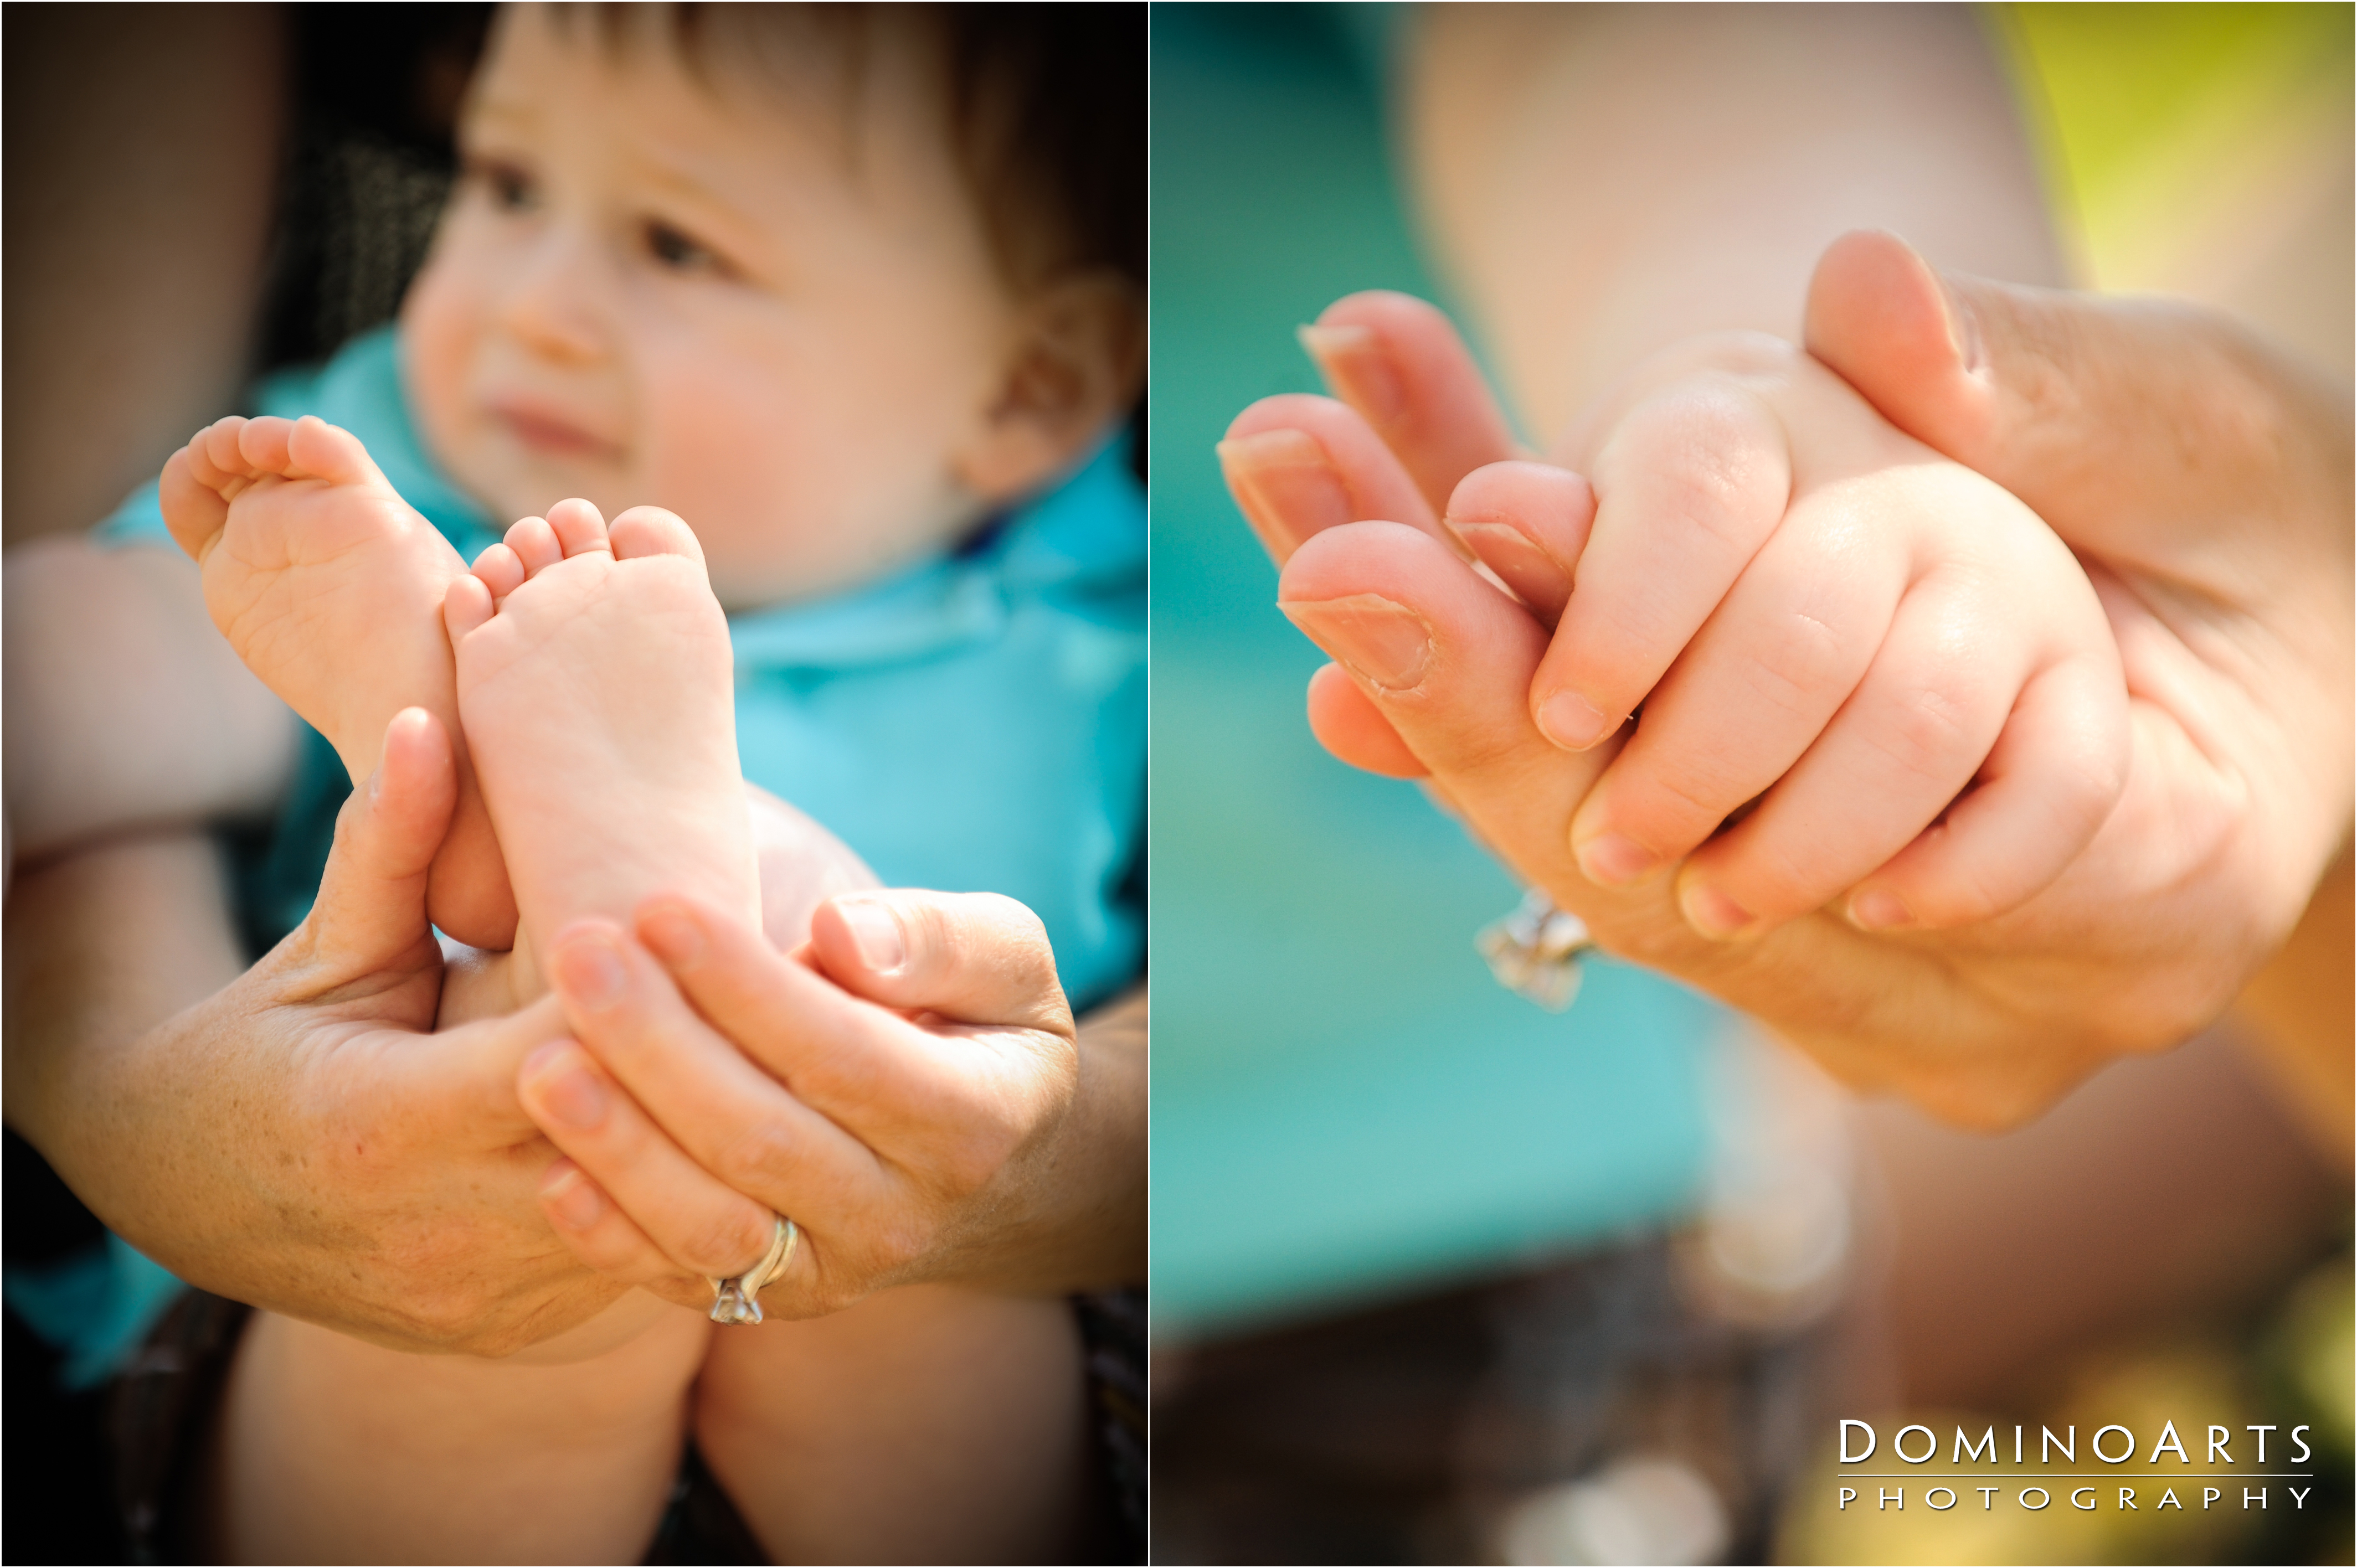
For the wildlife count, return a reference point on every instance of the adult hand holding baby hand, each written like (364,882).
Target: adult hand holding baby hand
(2143,436)
(904,1090)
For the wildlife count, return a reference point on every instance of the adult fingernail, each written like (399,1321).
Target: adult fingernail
(1613,860)
(590,972)
(1878,910)
(876,933)
(1572,722)
(672,934)
(1531,572)
(1286,485)
(575,1197)
(1711,912)
(572,1096)
(1383,642)
(1355,366)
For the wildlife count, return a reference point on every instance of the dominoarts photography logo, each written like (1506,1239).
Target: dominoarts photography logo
(2152,1486)
(2114,1477)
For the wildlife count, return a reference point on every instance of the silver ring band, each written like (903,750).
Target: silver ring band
(733,1301)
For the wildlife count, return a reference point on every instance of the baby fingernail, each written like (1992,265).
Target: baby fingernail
(1385,643)
(572,1096)
(1572,722)
(1286,485)
(1354,362)
(591,972)
(1877,909)
(575,1197)
(1522,565)
(1711,912)
(876,931)
(1611,860)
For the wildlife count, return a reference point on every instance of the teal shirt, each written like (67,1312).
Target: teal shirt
(975,723)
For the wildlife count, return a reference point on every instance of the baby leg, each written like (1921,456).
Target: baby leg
(926,1424)
(594,681)
(333,1450)
(328,586)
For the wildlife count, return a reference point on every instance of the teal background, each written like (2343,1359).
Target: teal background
(1345,1105)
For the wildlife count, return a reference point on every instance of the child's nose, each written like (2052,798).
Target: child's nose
(559,304)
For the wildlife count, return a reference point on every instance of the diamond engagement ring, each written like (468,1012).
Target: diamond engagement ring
(733,1300)
(1534,951)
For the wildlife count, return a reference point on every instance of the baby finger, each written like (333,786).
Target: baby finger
(1899,752)
(2047,787)
(1690,487)
(1527,522)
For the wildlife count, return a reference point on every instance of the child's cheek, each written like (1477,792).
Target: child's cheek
(732,454)
(439,328)
(789,481)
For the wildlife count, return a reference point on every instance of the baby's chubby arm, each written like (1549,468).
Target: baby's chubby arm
(1885,670)
(124,707)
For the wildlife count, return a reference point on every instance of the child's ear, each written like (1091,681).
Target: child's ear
(1073,365)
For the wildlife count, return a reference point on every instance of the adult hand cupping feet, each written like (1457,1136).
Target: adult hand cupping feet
(331,1158)
(895,1088)
(2237,659)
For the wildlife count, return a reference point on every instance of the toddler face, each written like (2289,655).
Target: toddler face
(784,326)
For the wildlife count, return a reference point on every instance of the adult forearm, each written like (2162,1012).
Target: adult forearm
(103,946)
(1594,207)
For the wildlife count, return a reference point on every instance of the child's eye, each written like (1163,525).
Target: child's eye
(509,188)
(678,251)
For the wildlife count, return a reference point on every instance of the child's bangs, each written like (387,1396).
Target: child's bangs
(1037,103)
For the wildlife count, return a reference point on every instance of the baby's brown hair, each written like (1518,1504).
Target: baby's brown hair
(1045,111)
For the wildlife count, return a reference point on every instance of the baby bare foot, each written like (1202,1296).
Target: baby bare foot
(329,586)
(596,686)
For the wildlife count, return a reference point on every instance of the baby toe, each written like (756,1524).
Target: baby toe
(500,570)
(579,527)
(535,545)
(262,445)
(467,603)
(652,530)
(189,492)
(221,445)
(318,449)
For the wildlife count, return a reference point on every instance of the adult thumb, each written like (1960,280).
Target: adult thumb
(2132,425)
(370,909)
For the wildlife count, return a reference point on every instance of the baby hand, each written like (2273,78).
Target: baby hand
(1889,675)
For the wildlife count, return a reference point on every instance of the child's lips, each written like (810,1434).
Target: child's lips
(550,435)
